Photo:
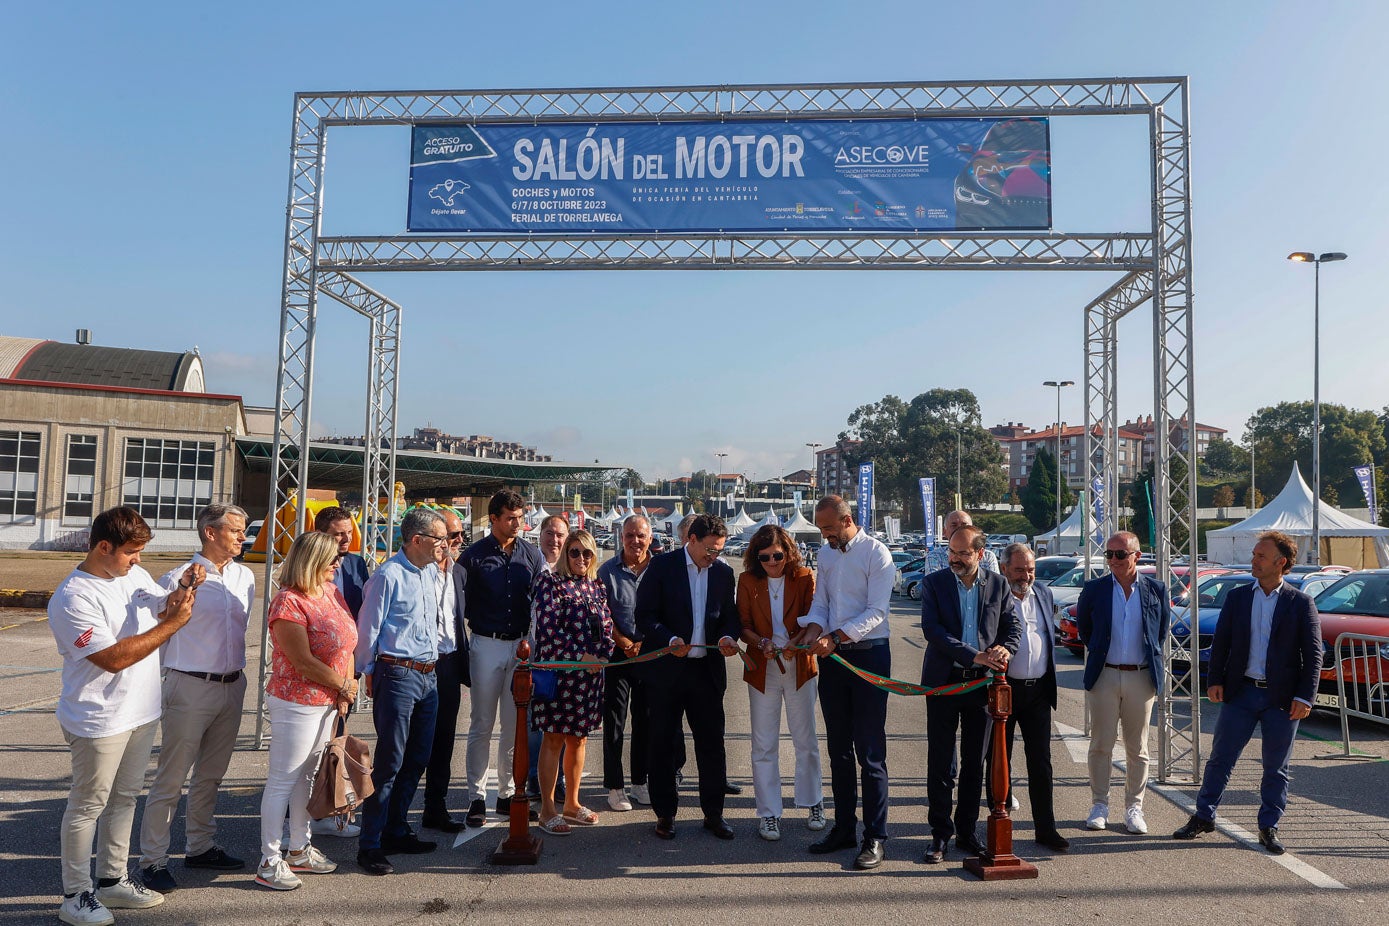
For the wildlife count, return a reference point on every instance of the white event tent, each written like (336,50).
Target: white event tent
(743,520)
(1345,540)
(801,529)
(1071,531)
(751,529)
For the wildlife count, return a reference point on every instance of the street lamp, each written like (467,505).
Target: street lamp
(719,481)
(959,469)
(1059,385)
(1307,257)
(814,465)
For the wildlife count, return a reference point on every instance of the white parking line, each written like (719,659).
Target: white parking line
(1076,742)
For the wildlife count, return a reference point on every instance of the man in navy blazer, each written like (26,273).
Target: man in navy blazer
(1122,619)
(1265,661)
(970,626)
(685,601)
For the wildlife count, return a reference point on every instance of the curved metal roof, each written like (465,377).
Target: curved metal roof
(89,365)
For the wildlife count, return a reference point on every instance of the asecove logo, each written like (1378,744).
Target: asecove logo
(448,191)
(83,638)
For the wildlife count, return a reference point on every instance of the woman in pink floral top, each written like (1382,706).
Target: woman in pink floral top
(572,623)
(311,683)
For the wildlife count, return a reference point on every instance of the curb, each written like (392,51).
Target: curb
(21,598)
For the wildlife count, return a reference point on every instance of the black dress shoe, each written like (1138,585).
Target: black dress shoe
(837,838)
(1053,840)
(871,856)
(374,862)
(1268,838)
(1194,827)
(665,827)
(442,822)
(935,852)
(731,789)
(969,844)
(215,859)
(158,879)
(477,814)
(719,827)
(409,844)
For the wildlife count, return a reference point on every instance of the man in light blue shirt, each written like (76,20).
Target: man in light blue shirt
(397,648)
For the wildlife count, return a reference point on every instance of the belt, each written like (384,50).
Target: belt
(1256,682)
(212,676)
(861,644)
(963,675)
(1124,666)
(425,667)
(1024,682)
(497,636)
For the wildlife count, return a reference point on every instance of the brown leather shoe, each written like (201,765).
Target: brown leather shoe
(665,827)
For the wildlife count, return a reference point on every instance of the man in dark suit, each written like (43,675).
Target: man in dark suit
(685,601)
(352,574)
(971,627)
(1032,675)
(1122,619)
(1265,661)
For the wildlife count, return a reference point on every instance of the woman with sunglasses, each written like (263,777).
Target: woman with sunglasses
(572,623)
(774,590)
(311,683)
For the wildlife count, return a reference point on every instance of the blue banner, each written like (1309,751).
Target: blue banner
(1366,477)
(797,493)
(865,496)
(864,175)
(630,509)
(928,508)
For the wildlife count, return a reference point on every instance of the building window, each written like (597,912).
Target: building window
(19,474)
(80,482)
(168,481)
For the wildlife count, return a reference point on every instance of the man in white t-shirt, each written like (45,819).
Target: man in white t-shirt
(108,618)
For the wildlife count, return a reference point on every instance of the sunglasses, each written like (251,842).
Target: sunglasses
(1117,554)
(337,559)
(770,557)
(455,535)
(576,552)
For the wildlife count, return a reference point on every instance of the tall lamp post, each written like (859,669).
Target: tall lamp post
(814,465)
(719,482)
(1307,257)
(959,468)
(1059,384)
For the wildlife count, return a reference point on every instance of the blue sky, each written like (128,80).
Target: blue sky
(145,156)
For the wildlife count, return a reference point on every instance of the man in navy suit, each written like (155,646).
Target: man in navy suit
(1122,619)
(1032,675)
(1265,661)
(971,627)
(685,601)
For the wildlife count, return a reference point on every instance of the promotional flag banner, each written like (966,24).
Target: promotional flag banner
(865,495)
(1366,477)
(928,506)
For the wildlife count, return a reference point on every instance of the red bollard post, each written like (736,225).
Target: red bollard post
(520,847)
(998,863)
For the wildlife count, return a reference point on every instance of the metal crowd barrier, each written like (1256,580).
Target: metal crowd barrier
(1362,681)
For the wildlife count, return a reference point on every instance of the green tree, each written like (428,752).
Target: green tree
(1224,457)
(1039,495)
(909,440)
(1224,496)
(630,479)
(1282,436)
(1257,501)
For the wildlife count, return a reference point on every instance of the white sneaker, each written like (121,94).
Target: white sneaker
(1133,820)
(83,909)
(641,794)
(617,800)
(1013,803)
(816,819)
(337,825)
(277,876)
(1099,817)
(126,894)
(309,860)
(770,829)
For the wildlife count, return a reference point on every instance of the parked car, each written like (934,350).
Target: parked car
(1358,603)
(1067,634)
(911,583)
(1211,593)
(1065,588)
(900,558)
(912,565)
(1051,567)
(252,530)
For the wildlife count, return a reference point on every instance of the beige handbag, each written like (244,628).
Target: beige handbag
(343,781)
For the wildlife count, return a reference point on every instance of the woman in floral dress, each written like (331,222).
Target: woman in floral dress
(572,623)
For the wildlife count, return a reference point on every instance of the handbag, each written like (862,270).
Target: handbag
(343,780)
(544,684)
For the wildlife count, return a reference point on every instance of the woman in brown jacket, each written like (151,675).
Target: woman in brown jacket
(773,591)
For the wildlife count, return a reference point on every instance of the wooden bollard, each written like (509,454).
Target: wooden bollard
(998,863)
(520,847)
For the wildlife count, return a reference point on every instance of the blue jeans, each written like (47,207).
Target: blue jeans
(1238,718)
(404,706)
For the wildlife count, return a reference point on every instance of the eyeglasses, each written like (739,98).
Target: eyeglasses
(770,557)
(712,551)
(433,538)
(1118,554)
(576,552)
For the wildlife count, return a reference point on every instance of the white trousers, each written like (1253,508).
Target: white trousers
(1120,698)
(298,733)
(491,663)
(764,709)
(107,775)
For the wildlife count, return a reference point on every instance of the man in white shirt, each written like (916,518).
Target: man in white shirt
(203,691)
(108,618)
(452,672)
(848,616)
(938,557)
(1032,675)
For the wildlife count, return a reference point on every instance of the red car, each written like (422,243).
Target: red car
(1358,603)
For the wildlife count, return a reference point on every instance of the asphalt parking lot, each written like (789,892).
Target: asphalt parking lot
(1337,832)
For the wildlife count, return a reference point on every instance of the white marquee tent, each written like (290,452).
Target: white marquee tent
(742,521)
(1345,540)
(751,529)
(801,529)
(1071,530)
